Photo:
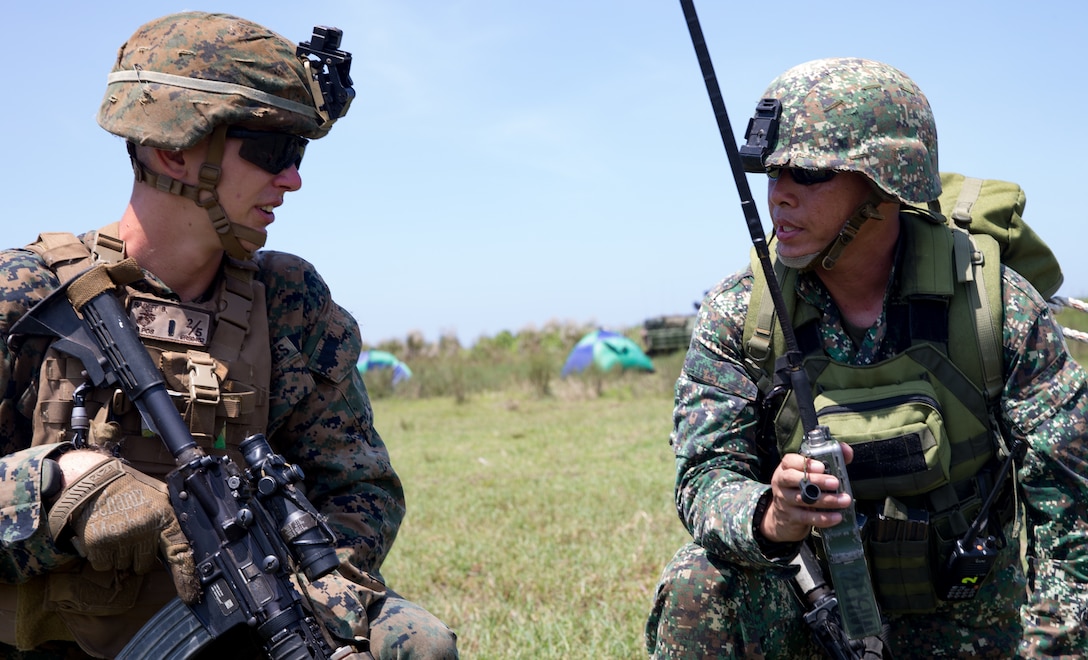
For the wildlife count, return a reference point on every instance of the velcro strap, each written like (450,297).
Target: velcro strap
(234,405)
(71,501)
(103,277)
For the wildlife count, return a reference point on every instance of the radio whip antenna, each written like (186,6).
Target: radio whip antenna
(798,379)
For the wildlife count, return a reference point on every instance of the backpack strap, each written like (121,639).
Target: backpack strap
(961,210)
(977,261)
(762,341)
(978,265)
(757,346)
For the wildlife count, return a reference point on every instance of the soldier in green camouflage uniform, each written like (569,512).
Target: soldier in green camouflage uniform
(858,134)
(215,110)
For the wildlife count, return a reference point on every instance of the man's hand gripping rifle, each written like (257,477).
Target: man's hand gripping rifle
(248,528)
(840,624)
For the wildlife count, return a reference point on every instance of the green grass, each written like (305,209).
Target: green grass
(540,510)
(537,526)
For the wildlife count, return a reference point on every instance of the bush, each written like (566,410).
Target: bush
(532,359)
(379,383)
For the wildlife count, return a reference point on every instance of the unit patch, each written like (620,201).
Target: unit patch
(168,321)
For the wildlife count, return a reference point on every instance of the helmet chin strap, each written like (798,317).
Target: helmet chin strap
(827,257)
(205,195)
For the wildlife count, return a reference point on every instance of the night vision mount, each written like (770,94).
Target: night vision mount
(328,67)
(761,136)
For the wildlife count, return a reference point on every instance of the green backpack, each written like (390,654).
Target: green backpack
(995,208)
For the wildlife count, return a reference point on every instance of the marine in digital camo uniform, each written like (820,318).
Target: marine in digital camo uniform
(728,593)
(215,111)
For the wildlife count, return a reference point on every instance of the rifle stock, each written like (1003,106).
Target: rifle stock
(248,528)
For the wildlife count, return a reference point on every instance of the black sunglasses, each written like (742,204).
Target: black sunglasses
(272,152)
(803,177)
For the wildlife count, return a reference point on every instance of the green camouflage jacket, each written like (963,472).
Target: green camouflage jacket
(320,416)
(1044,402)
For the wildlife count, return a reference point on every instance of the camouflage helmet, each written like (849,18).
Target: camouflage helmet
(857,115)
(180,76)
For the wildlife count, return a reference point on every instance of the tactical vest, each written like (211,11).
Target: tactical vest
(214,356)
(920,423)
(216,361)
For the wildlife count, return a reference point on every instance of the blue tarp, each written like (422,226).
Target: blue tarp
(605,350)
(384,360)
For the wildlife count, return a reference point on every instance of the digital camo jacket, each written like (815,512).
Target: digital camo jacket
(1044,402)
(319,414)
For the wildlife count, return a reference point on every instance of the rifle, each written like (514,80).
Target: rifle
(249,529)
(842,543)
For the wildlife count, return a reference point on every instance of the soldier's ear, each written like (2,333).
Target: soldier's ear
(183,164)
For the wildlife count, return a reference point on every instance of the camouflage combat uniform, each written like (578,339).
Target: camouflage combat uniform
(729,593)
(721,596)
(179,81)
(320,419)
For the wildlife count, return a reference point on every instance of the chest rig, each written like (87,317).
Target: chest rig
(920,422)
(214,356)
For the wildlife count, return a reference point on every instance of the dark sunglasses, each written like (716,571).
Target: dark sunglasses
(803,177)
(272,152)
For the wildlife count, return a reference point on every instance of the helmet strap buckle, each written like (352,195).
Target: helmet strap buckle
(867,211)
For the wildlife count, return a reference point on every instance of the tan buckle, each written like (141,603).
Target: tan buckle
(203,383)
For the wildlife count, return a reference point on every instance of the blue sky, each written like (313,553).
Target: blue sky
(508,163)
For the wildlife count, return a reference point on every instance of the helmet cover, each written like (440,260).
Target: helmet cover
(180,76)
(857,115)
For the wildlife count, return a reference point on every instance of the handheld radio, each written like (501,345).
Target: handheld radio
(972,558)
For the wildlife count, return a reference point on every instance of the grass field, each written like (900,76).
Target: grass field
(537,527)
(538,524)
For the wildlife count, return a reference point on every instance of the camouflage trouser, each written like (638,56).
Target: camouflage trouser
(707,608)
(353,604)
(400,629)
